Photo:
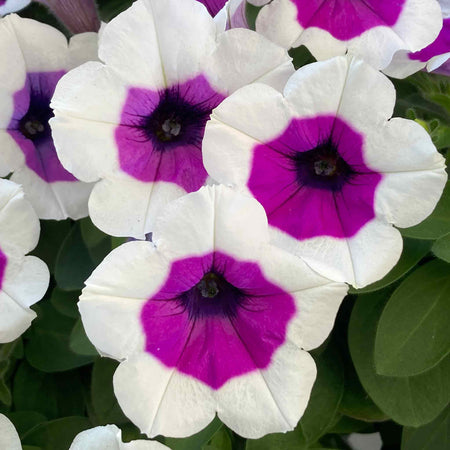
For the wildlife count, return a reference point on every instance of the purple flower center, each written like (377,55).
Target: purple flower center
(2,2)
(213,295)
(322,167)
(216,318)
(3,263)
(313,181)
(347,19)
(161,132)
(30,128)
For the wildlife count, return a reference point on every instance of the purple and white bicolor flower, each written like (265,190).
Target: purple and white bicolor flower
(34,56)
(371,29)
(9,438)
(109,437)
(10,6)
(331,168)
(136,121)
(210,319)
(227,14)
(434,57)
(23,279)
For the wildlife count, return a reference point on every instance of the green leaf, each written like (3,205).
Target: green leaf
(437,224)
(421,339)
(441,248)
(57,434)
(104,402)
(220,441)
(97,242)
(35,391)
(74,263)
(48,394)
(111,8)
(79,342)
(433,436)
(5,393)
(410,401)
(413,251)
(301,56)
(325,396)
(356,402)
(286,441)
(347,425)
(24,421)
(66,302)
(52,236)
(198,440)
(48,349)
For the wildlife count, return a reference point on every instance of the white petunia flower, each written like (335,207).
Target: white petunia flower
(329,165)
(371,29)
(435,57)
(136,122)
(10,6)
(34,56)
(210,319)
(9,439)
(23,279)
(109,437)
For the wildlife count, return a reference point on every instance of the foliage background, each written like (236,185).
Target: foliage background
(385,368)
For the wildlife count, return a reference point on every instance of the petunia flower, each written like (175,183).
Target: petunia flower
(232,15)
(9,439)
(434,57)
(210,319)
(23,279)
(109,437)
(10,6)
(371,29)
(136,121)
(34,57)
(329,166)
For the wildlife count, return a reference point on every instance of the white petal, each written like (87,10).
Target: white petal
(243,57)
(278,22)
(124,206)
(12,157)
(87,149)
(269,400)
(56,201)
(98,438)
(19,225)
(109,437)
(91,92)
(401,66)
(112,300)
(360,260)
(317,298)
(29,285)
(83,47)
(43,47)
(12,74)
(158,42)
(413,171)
(9,439)
(14,319)
(160,400)
(213,218)
(330,87)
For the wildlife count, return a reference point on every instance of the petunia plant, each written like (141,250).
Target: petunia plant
(224,225)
